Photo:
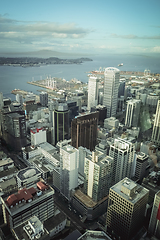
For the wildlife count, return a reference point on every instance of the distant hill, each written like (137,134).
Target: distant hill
(43,54)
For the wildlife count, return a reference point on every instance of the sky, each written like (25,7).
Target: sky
(85,26)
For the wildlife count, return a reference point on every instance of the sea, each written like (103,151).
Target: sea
(17,77)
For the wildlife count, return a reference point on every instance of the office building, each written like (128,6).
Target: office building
(68,170)
(154,224)
(126,208)
(27,177)
(156,127)
(152,100)
(121,88)
(92,92)
(13,127)
(111,85)
(87,207)
(123,154)
(60,123)
(31,229)
(29,106)
(84,131)
(141,165)
(83,153)
(27,202)
(19,99)
(92,235)
(132,113)
(97,175)
(38,135)
(111,123)
(43,99)
(1,101)
(102,113)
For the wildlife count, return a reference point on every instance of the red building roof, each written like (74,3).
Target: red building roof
(42,186)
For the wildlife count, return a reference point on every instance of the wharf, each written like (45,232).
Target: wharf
(121,73)
(23,93)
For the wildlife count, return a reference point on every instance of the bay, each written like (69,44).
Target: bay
(17,77)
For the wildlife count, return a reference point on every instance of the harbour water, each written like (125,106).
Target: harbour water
(17,77)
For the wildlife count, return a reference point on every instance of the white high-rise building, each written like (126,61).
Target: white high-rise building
(92,92)
(123,154)
(19,98)
(156,127)
(38,135)
(132,113)
(68,169)
(97,175)
(154,224)
(111,85)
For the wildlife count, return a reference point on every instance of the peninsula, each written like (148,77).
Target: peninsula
(36,62)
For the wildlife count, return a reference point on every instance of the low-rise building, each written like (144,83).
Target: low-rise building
(37,200)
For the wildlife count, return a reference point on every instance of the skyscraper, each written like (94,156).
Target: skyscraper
(43,99)
(126,208)
(132,113)
(13,127)
(156,127)
(68,170)
(154,224)
(97,175)
(92,92)
(84,131)
(60,122)
(111,85)
(123,153)
(19,99)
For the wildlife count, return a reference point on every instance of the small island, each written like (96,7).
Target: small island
(37,62)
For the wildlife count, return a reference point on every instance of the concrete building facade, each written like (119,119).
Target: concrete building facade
(126,208)
(123,154)
(97,175)
(68,170)
(20,206)
(132,113)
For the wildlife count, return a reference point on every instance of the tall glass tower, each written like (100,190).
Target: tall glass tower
(156,127)
(60,123)
(111,85)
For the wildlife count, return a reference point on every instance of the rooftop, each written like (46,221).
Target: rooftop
(68,148)
(25,231)
(28,173)
(26,197)
(6,161)
(94,235)
(130,190)
(86,200)
(54,221)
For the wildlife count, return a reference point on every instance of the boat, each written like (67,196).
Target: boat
(121,64)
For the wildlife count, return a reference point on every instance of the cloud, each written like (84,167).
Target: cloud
(38,32)
(132,36)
